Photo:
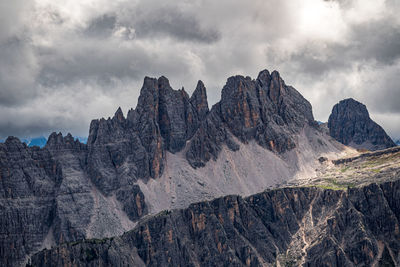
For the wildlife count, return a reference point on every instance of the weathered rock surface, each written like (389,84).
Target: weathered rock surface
(29,177)
(289,227)
(156,157)
(47,198)
(124,150)
(350,124)
(265,110)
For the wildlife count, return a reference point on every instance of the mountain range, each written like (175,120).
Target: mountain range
(173,150)
(41,141)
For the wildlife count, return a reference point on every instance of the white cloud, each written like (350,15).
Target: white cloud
(83,59)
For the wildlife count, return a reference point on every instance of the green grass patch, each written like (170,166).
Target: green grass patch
(333,184)
(375,162)
(378,170)
(331,187)
(345,169)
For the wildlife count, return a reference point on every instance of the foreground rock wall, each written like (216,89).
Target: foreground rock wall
(290,226)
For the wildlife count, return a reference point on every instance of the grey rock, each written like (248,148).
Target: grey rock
(163,120)
(69,191)
(133,201)
(265,110)
(350,124)
(47,198)
(73,199)
(29,178)
(199,101)
(116,156)
(289,226)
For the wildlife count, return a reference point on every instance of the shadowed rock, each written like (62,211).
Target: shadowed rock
(163,120)
(286,227)
(29,179)
(350,124)
(265,110)
(199,100)
(47,198)
(69,191)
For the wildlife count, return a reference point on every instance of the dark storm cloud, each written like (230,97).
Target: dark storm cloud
(17,72)
(97,53)
(26,128)
(378,40)
(383,93)
(92,60)
(103,62)
(61,61)
(172,23)
(18,66)
(148,21)
(22,124)
(102,26)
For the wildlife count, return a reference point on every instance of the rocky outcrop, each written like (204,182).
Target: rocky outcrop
(29,178)
(350,124)
(198,100)
(287,227)
(265,110)
(375,154)
(134,148)
(72,197)
(59,142)
(69,191)
(47,198)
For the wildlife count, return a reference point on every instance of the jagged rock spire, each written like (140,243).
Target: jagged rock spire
(164,119)
(119,115)
(58,141)
(265,110)
(54,139)
(199,100)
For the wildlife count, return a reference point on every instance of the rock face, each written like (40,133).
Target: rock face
(264,110)
(134,148)
(156,157)
(286,227)
(48,198)
(350,124)
(28,178)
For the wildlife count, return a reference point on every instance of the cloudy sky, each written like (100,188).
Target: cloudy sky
(65,62)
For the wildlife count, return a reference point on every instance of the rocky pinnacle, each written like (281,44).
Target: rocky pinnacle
(350,124)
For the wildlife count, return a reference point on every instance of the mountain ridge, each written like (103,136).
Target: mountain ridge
(170,151)
(286,226)
(41,141)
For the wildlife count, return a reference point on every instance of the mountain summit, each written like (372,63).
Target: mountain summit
(350,124)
